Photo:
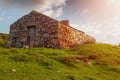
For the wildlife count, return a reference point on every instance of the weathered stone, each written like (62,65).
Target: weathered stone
(38,30)
(46,35)
(52,36)
(18,44)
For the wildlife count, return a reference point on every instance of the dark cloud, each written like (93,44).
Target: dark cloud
(23,2)
(53,8)
(32,4)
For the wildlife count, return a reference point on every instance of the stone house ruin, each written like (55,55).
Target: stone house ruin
(38,30)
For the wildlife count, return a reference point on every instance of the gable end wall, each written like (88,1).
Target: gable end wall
(46,34)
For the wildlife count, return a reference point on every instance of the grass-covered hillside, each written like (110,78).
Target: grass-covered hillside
(3,39)
(88,62)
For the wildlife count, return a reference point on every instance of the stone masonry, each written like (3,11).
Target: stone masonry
(38,30)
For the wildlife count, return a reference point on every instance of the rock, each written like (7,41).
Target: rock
(58,71)
(26,46)
(13,70)
(46,35)
(89,63)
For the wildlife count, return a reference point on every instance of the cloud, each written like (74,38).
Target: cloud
(59,11)
(102,33)
(98,9)
(53,13)
(33,3)
(101,18)
(39,5)
(49,12)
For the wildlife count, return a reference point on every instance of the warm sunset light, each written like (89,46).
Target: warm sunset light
(99,18)
(59,39)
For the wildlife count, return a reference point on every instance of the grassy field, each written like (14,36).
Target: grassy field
(88,62)
(3,39)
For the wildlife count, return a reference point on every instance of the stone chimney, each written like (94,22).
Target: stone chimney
(66,22)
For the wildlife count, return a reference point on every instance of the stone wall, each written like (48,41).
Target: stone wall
(70,37)
(66,22)
(46,31)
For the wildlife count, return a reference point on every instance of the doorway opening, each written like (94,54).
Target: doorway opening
(31,35)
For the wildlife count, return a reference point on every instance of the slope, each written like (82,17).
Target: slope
(88,62)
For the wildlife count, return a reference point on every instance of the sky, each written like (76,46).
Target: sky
(98,18)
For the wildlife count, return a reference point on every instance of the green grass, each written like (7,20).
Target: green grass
(61,64)
(3,39)
(88,62)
